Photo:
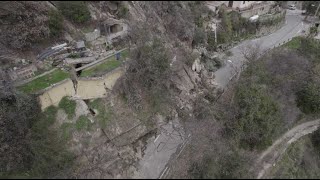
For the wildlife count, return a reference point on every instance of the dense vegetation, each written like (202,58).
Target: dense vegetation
(259,118)
(76,11)
(55,23)
(68,105)
(29,148)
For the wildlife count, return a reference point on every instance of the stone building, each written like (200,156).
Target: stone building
(245,8)
(23,73)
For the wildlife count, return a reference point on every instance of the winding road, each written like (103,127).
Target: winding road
(293,27)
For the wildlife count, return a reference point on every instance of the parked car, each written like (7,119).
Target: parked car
(292,7)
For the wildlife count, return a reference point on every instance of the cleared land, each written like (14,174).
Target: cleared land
(44,81)
(110,64)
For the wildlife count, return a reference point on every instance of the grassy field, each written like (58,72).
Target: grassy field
(104,113)
(294,43)
(110,64)
(44,81)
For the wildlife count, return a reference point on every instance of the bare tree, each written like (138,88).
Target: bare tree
(251,52)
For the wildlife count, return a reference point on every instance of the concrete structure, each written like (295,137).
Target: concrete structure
(256,9)
(79,60)
(113,29)
(92,35)
(80,46)
(23,73)
(245,8)
(86,88)
(53,94)
(97,87)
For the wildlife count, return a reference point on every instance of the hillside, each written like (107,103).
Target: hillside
(133,92)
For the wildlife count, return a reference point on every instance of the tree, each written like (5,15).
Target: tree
(226,34)
(308,99)
(55,23)
(259,119)
(199,37)
(17,114)
(315,139)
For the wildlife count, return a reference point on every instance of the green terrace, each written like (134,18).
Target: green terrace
(108,65)
(44,81)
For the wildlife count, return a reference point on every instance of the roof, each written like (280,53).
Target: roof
(80,44)
(112,21)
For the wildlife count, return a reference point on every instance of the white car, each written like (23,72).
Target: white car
(292,7)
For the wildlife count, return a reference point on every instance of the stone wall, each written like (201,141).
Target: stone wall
(92,35)
(86,88)
(97,87)
(258,9)
(53,94)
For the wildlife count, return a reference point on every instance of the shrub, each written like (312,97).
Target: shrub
(229,53)
(259,118)
(55,23)
(68,105)
(83,123)
(199,37)
(308,99)
(74,56)
(313,30)
(315,139)
(76,11)
(123,11)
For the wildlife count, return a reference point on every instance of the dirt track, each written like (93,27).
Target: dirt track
(274,153)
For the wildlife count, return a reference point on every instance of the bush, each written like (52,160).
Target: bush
(74,56)
(308,99)
(55,23)
(83,123)
(199,37)
(228,165)
(123,11)
(313,30)
(68,105)
(259,118)
(51,155)
(76,11)
(229,53)
(315,139)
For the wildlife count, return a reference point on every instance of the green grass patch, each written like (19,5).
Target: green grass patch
(49,148)
(66,130)
(44,81)
(110,64)
(83,123)
(295,43)
(87,29)
(50,114)
(68,105)
(104,113)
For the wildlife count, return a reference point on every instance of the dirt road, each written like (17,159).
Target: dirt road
(274,153)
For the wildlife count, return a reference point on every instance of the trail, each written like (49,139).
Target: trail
(274,153)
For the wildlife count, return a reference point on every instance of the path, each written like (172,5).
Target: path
(274,153)
(159,150)
(293,27)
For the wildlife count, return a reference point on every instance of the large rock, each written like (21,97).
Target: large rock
(196,66)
